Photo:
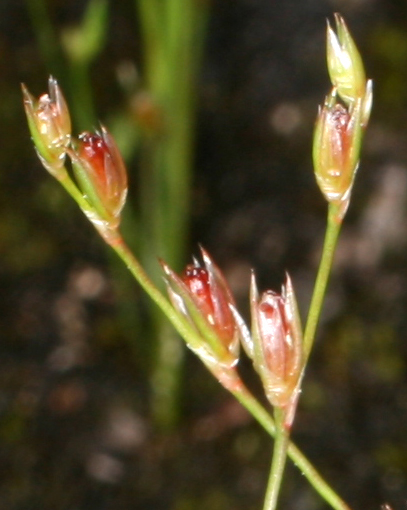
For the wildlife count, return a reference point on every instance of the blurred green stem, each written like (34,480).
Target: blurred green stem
(325,266)
(82,95)
(73,48)
(173,34)
(46,36)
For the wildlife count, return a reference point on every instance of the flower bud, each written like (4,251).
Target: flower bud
(101,174)
(276,343)
(50,126)
(336,147)
(345,64)
(202,296)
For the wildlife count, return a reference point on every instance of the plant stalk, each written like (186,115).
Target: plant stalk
(173,38)
(303,464)
(281,442)
(325,266)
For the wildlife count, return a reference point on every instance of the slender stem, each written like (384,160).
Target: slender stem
(315,479)
(71,188)
(304,465)
(278,463)
(331,237)
(115,240)
(138,272)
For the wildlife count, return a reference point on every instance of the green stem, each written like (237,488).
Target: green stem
(46,36)
(82,95)
(138,272)
(118,245)
(172,34)
(278,463)
(71,188)
(331,237)
(315,479)
(151,23)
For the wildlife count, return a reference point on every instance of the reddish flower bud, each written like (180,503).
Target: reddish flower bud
(50,126)
(337,140)
(276,343)
(203,297)
(212,296)
(101,173)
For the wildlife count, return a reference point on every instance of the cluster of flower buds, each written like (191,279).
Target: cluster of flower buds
(96,161)
(339,128)
(202,296)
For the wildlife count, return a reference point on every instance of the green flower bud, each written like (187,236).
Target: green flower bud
(345,64)
(50,126)
(337,139)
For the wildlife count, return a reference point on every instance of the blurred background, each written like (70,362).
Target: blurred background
(84,421)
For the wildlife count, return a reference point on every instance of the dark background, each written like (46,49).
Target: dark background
(74,410)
